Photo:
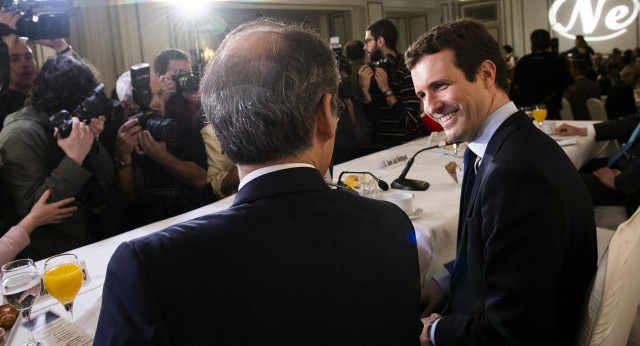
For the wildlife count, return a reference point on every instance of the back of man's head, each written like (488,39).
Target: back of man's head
(580,66)
(387,30)
(262,89)
(161,63)
(471,45)
(354,50)
(123,87)
(62,83)
(630,75)
(540,40)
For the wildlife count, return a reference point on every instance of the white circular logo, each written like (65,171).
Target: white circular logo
(608,19)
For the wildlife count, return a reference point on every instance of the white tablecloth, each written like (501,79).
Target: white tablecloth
(435,228)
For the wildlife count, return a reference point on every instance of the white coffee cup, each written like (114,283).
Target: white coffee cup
(404,200)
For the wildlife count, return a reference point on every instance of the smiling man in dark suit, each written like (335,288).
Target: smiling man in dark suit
(291,262)
(526,235)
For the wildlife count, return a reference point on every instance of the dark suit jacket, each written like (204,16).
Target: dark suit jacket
(620,101)
(541,78)
(526,249)
(629,180)
(291,262)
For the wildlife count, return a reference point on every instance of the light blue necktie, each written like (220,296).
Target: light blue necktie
(624,148)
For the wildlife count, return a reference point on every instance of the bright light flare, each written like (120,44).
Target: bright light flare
(191,8)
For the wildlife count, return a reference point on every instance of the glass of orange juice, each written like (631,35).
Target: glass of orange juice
(539,113)
(62,279)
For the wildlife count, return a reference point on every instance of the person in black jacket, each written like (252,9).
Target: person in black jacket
(620,183)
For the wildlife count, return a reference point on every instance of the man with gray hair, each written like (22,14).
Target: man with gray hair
(291,261)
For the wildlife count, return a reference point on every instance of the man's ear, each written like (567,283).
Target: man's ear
(380,41)
(488,72)
(325,129)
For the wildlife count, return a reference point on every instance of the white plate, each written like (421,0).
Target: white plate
(417,212)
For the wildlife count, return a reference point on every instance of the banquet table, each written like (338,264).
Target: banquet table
(435,227)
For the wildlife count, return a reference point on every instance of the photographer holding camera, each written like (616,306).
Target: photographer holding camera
(389,98)
(36,156)
(159,172)
(21,64)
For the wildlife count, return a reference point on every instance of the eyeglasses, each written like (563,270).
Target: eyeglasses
(368,40)
(339,107)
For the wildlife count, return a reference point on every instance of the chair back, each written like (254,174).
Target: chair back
(566,113)
(596,109)
(610,317)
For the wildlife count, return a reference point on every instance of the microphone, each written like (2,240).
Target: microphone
(402,183)
(381,183)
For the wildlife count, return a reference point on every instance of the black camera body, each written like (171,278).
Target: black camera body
(41,19)
(93,106)
(387,63)
(166,130)
(186,81)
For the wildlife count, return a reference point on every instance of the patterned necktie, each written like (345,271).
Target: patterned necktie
(624,148)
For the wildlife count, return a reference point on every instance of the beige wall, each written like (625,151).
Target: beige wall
(115,37)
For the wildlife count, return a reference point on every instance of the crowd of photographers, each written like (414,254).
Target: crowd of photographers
(148,155)
(77,167)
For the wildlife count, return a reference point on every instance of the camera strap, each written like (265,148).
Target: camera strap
(6,30)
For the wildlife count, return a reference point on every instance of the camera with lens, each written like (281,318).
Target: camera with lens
(40,19)
(166,130)
(387,63)
(93,106)
(186,81)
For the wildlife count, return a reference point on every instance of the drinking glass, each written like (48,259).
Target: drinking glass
(540,113)
(62,279)
(21,287)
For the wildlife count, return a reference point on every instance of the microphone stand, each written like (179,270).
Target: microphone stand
(402,183)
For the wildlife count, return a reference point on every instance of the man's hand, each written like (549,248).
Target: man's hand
(168,87)
(607,176)
(127,140)
(431,295)
(424,340)
(10,19)
(157,151)
(364,77)
(96,125)
(57,44)
(79,142)
(568,130)
(382,78)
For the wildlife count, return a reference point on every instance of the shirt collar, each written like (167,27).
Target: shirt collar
(264,170)
(489,127)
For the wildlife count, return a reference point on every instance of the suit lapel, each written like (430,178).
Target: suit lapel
(514,122)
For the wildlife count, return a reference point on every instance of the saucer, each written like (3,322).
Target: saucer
(417,212)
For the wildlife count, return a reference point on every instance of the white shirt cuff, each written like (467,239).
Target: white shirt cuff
(591,131)
(432,335)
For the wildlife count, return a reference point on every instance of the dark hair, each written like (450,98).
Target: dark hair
(354,50)
(161,63)
(387,30)
(62,83)
(540,40)
(260,93)
(470,43)
(507,48)
(581,66)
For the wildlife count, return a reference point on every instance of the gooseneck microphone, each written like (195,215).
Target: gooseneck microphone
(381,183)
(402,183)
